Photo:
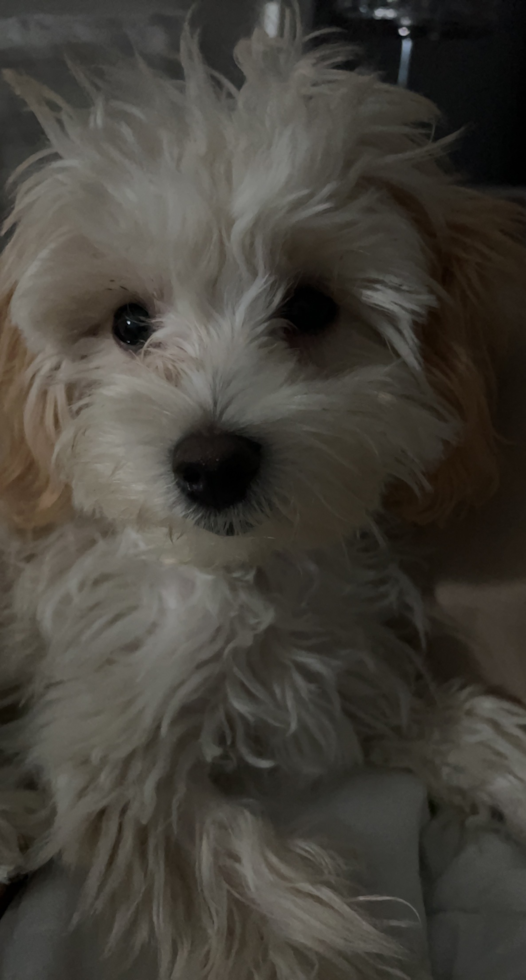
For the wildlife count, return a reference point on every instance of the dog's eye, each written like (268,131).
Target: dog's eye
(132,326)
(308,311)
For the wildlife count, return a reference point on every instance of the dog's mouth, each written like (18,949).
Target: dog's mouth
(225,525)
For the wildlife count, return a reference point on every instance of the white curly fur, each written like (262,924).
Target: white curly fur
(173,682)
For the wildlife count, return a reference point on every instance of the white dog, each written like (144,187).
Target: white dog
(238,327)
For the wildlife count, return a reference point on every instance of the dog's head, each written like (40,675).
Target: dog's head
(247,317)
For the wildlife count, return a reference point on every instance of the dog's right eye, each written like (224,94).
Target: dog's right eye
(132,326)
(308,312)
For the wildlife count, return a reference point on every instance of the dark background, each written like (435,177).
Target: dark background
(479,83)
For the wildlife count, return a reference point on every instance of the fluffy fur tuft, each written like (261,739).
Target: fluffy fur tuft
(177,668)
(477,258)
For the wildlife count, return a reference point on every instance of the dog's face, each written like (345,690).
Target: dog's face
(223,303)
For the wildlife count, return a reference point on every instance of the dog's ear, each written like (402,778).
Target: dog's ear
(479,266)
(32,498)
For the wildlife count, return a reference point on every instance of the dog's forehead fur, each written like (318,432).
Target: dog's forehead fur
(174,188)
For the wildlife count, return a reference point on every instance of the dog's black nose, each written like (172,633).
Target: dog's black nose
(215,469)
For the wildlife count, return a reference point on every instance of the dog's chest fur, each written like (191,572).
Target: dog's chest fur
(142,668)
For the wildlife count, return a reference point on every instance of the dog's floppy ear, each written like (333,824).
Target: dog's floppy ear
(478,263)
(32,498)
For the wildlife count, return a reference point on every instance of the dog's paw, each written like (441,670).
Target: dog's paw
(490,756)
(470,750)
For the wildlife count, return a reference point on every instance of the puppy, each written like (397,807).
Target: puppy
(239,328)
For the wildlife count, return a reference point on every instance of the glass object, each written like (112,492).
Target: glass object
(411,19)
(457,17)
(273,14)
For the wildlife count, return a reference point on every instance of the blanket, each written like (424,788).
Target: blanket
(452,891)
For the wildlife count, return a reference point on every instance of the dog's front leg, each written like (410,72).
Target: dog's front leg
(469,747)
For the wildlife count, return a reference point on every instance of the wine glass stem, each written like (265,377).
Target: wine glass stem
(404,65)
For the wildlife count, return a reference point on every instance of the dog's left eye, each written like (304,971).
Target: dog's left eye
(308,311)
(132,326)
